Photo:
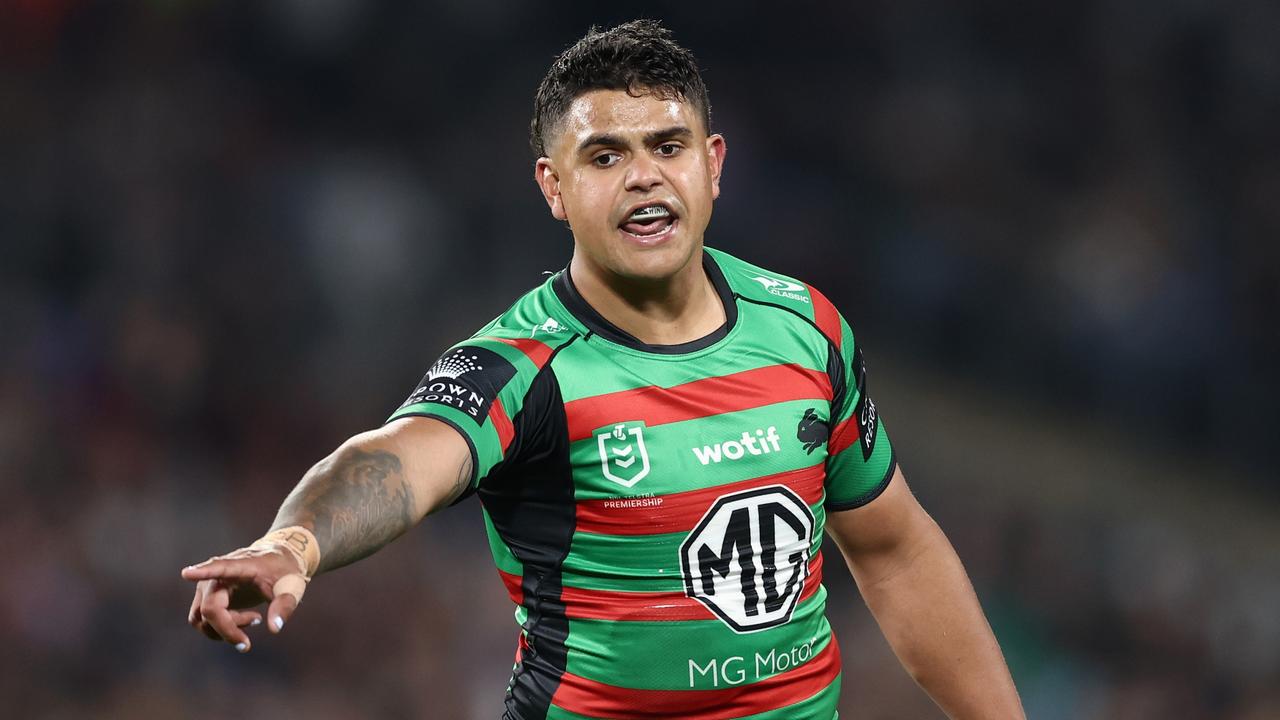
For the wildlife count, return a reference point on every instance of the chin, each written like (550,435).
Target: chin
(655,262)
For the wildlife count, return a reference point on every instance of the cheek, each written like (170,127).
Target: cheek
(587,198)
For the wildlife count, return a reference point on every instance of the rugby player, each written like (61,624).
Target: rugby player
(659,436)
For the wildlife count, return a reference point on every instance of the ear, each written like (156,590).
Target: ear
(715,161)
(544,174)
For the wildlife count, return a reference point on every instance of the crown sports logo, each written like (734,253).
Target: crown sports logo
(782,288)
(467,380)
(451,366)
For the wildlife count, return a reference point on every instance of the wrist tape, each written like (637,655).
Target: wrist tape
(300,544)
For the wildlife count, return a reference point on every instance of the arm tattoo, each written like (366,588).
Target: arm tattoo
(354,501)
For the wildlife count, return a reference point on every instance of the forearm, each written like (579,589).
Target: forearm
(364,495)
(927,609)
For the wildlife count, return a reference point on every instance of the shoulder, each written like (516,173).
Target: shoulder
(766,287)
(527,334)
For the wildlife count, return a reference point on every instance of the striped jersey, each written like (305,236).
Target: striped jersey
(656,512)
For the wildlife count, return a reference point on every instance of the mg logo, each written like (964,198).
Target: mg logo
(622,453)
(747,558)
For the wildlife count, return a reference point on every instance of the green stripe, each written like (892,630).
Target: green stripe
(558,713)
(680,655)
(849,477)
(821,706)
(674,464)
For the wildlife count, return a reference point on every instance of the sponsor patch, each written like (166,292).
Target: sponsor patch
(467,379)
(865,410)
(747,559)
(783,288)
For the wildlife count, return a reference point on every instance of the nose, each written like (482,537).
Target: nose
(643,174)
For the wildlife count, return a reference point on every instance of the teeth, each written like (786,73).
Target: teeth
(652,212)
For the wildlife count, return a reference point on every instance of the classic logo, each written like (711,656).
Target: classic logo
(782,288)
(812,431)
(550,326)
(747,558)
(623,457)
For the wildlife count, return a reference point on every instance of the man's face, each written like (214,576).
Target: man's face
(635,178)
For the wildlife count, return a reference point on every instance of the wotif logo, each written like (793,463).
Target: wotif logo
(782,288)
(762,442)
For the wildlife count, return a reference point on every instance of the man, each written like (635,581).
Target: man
(658,435)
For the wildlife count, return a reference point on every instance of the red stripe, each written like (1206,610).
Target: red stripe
(845,434)
(657,606)
(587,697)
(825,315)
(536,350)
(700,398)
(502,424)
(515,586)
(679,512)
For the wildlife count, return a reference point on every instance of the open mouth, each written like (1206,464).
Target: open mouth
(649,222)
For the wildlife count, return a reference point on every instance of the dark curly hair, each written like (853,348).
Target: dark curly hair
(637,56)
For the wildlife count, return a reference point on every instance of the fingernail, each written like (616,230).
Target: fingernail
(279,623)
(256,622)
(242,647)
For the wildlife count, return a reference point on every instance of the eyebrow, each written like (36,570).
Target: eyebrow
(671,133)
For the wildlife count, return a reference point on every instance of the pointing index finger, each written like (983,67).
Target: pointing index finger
(221,568)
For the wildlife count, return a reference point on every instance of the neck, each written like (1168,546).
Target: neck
(670,311)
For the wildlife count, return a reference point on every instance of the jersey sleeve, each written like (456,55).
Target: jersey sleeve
(860,458)
(476,387)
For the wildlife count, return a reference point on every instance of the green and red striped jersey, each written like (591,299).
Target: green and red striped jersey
(657,512)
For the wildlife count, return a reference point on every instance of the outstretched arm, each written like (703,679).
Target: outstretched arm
(365,494)
(921,596)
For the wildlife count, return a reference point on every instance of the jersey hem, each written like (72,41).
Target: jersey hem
(871,494)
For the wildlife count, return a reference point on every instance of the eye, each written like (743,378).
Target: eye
(669,149)
(605,160)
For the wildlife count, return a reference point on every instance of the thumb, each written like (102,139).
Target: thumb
(287,593)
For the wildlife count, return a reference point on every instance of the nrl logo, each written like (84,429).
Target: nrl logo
(782,288)
(623,457)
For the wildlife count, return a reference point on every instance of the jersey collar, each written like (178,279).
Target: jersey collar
(568,294)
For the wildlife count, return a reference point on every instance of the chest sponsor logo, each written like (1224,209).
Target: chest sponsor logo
(747,558)
(466,379)
(623,457)
(783,288)
(762,442)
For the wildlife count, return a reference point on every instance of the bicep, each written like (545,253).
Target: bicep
(882,534)
(435,459)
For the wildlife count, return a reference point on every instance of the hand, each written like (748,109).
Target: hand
(229,584)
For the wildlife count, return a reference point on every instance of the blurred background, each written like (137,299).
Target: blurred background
(234,233)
